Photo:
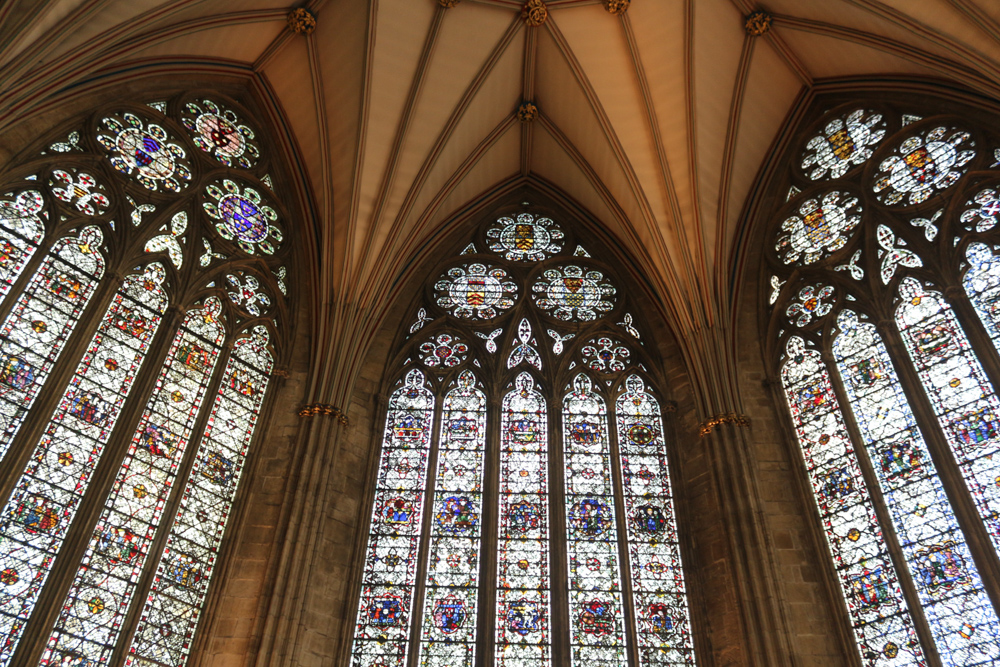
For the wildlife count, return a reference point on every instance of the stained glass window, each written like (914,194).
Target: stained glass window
(569,551)
(450,598)
(898,422)
(142,406)
(105,582)
(573,293)
(923,163)
(843,143)
(49,490)
(179,589)
(525,238)
(596,614)
(523,628)
(476,291)
(664,626)
(37,329)
(219,132)
(390,570)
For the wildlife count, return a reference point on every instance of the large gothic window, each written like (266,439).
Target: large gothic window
(884,266)
(141,283)
(522,512)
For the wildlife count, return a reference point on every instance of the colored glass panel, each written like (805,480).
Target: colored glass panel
(22,226)
(880,619)
(982,284)
(105,582)
(573,293)
(37,328)
(845,142)
(443,350)
(448,638)
(526,238)
(81,190)
(243,217)
(821,226)
(596,615)
(523,589)
(963,398)
(605,355)
(219,132)
(958,611)
(923,164)
(174,604)
(145,151)
(381,636)
(475,291)
(45,500)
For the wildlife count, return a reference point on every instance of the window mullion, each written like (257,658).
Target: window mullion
(884,517)
(170,511)
(560,625)
(80,531)
(487,620)
(951,476)
(631,614)
(420,583)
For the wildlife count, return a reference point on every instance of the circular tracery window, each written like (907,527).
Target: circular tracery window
(475,291)
(922,164)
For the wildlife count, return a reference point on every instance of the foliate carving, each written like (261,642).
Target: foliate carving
(617,7)
(448,4)
(534,13)
(301,21)
(733,418)
(757,23)
(527,112)
(314,409)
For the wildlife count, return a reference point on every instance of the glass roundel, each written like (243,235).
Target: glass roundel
(243,217)
(219,132)
(475,291)
(144,150)
(525,238)
(844,142)
(923,164)
(820,226)
(572,293)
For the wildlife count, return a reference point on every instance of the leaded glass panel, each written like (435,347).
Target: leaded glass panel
(47,495)
(661,612)
(176,598)
(961,618)
(596,614)
(963,398)
(103,589)
(523,624)
(381,637)
(36,330)
(448,637)
(881,621)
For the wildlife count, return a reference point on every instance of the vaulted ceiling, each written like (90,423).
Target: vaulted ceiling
(656,120)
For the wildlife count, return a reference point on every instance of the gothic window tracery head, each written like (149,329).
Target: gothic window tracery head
(525,318)
(98,243)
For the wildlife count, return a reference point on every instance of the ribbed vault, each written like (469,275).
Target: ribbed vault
(404,114)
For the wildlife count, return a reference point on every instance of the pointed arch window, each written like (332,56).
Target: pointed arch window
(142,302)
(883,294)
(522,513)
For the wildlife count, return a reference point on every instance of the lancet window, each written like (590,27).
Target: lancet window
(522,513)
(141,299)
(883,291)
